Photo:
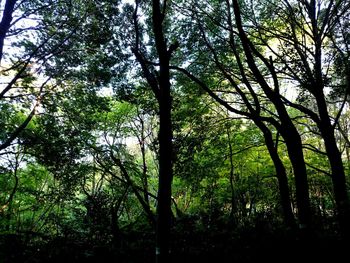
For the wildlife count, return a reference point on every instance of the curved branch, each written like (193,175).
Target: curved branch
(25,123)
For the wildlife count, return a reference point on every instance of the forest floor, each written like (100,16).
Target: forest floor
(215,248)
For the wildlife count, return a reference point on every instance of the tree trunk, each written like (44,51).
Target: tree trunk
(296,156)
(337,167)
(325,125)
(142,142)
(281,177)
(165,174)
(160,84)
(164,214)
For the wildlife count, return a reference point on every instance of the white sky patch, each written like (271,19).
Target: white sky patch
(105,92)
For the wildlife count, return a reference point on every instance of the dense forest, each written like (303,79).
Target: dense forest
(174,131)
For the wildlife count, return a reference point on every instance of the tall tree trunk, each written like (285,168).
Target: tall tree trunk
(337,167)
(160,84)
(165,172)
(296,156)
(165,136)
(316,87)
(281,177)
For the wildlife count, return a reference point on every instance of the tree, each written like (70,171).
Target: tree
(251,76)
(6,28)
(159,81)
(306,53)
(26,51)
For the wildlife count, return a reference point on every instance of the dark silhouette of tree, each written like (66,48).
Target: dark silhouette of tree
(159,81)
